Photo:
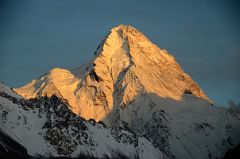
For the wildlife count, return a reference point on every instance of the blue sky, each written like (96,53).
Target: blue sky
(203,36)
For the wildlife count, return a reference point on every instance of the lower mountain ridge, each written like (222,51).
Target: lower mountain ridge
(45,127)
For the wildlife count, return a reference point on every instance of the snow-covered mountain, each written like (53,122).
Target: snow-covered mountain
(46,127)
(131,83)
(126,65)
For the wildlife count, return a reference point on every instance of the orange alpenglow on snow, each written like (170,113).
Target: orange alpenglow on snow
(126,70)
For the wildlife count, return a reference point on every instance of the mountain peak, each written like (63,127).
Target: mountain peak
(124,30)
(121,26)
(127,40)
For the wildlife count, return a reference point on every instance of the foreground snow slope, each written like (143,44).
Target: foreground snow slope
(45,126)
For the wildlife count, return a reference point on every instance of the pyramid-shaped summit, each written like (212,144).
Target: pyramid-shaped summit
(125,72)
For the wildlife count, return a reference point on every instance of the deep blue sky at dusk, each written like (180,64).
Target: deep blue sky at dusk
(203,36)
